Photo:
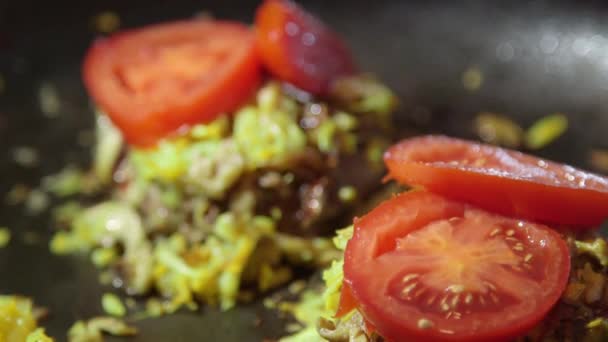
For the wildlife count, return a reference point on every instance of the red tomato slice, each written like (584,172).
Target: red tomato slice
(298,48)
(155,80)
(426,268)
(501,180)
(347,301)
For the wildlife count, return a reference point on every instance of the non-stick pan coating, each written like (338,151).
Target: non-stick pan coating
(536,58)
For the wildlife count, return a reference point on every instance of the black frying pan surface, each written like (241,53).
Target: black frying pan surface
(536,58)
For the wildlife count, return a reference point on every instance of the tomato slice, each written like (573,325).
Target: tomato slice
(426,268)
(501,180)
(347,301)
(154,80)
(298,48)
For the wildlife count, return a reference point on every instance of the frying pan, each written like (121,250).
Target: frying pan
(535,58)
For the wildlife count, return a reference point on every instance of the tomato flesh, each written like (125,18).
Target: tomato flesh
(156,80)
(425,268)
(298,48)
(501,180)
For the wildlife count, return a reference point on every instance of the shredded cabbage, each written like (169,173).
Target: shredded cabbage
(314,305)
(597,330)
(597,248)
(334,275)
(268,135)
(214,169)
(93,329)
(109,224)
(38,335)
(67,182)
(212,269)
(308,334)
(165,162)
(106,224)
(112,305)
(5,237)
(364,94)
(107,149)
(546,130)
(173,158)
(215,130)
(498,129)
(342,237)
(185,218)
(17,321)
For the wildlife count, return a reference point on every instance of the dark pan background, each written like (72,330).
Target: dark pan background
(537,58)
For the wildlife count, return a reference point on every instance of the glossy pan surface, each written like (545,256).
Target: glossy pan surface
(535,58)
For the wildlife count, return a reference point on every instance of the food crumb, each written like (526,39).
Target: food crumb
(69,181)
(112,305)
(5,237)
(36,202)
(17,194)
(102,257)
(297,286)
(25,156)
(347,194)
(598,159)
(546,130)
(270,303)
(92,329)
(498,129)
(276,213)
(472,79)
(48,99)
(106,22)
(595,323)
(293,327)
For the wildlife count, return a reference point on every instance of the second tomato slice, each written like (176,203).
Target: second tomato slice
(501,180)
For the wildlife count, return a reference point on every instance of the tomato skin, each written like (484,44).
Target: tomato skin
(155,80)
(298,48)
(512,184)
(368,273)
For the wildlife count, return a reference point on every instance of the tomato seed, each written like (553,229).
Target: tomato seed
(456,288)
(424,323)
(406,290)
(469,298)
(489,285)
(409,277)
(455,300)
